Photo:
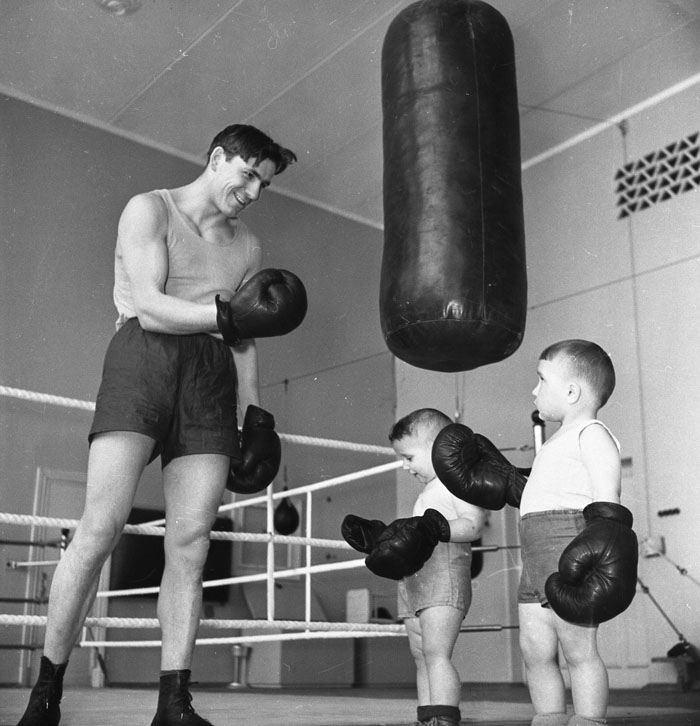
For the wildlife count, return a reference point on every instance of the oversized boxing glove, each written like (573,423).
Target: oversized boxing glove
(273,302)
(361,534)
(261,453)
(405,545)
(474,470)
(597,575)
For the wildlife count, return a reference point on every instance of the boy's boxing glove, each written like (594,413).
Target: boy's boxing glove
(597,575)
(474,470)
(361,534)
(273,302)
(405,545)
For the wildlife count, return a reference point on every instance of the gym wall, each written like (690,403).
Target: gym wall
(630,284)
(64,187)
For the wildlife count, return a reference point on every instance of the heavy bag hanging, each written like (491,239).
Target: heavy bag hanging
(453,291)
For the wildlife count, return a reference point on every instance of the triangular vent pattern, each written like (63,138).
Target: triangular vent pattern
(658,176)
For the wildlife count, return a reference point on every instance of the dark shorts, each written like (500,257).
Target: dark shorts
(445,579)
(543,537)
(180,390)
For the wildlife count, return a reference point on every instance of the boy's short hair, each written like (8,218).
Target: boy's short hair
(249,142)
(587,361)
(428,421)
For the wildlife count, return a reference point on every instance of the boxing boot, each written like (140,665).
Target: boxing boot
(439,716)
(175,702)
(43,707)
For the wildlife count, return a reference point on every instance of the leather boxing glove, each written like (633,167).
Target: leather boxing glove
(493,469)
(261,453)
(273,302)
(405,545)
(474,470)
(597,575)
(361,534)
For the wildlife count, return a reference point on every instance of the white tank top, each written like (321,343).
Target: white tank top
(559,479)
(435,495)
(198,270)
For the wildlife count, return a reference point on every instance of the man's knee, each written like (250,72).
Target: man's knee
(97,536)
(188,547)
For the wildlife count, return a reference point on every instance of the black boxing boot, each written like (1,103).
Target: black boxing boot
(43,707)
(175,701)
(421,716)
(441,716)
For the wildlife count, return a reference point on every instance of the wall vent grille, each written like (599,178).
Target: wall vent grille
(658,176)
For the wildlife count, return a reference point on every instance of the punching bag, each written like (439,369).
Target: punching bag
(285,519)
(453,290)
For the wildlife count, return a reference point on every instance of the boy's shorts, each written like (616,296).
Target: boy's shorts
(179,390)
(445,579)
(543,537)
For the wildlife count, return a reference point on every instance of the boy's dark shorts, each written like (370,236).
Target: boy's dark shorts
(180,390)
(543,537)
(445,579)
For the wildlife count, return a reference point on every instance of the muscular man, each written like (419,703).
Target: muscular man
(190,299)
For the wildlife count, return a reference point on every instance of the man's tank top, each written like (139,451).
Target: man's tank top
(559,478)
(197,269)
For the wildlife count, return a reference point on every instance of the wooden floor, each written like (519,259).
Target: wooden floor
(491,705)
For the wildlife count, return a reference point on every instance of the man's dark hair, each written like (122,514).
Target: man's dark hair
(251,143)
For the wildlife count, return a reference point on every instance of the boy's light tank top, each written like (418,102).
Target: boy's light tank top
(197,269)
(559,479)
(435,495)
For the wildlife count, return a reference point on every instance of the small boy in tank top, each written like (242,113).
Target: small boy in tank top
(578,468)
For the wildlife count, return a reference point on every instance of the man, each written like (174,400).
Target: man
(191,298)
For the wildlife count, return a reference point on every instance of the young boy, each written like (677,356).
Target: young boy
(430,555)
(579,552)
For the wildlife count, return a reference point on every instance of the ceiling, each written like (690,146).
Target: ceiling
(173,73)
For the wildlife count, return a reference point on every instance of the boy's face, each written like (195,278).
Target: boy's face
(552,389)
(415,452)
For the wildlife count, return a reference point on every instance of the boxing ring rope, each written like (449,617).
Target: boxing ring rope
(294,629)
(311,630)
(50,399)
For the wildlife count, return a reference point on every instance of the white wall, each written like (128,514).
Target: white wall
(665,240)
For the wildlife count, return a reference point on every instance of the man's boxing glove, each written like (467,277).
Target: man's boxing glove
(261,453)
(597,575)
(361,534)
(273,302)
(405,545)
(474,470)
